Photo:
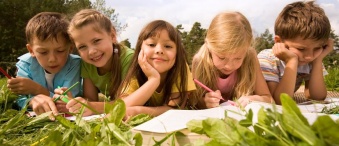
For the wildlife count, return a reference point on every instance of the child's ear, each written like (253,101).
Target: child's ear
(114,36)
(277,39)
(30,50)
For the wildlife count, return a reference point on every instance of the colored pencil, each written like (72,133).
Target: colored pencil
(5,73)
(63,94)
(205,87)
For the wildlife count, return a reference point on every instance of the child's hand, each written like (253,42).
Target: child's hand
(61,105)
(284,54)
(74,106)
(149,70)
(244,100)
(42,103)
(328,48)
(20,85)
(130,112)
(212,99)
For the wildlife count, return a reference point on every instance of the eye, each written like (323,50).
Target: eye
(43,53)
(60,51)
(96,40)
(168,46)
(81,47)
(301,49)
(151,45)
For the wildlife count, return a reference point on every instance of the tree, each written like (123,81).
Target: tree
(331,60)
(126,43)
(192,40)
(100,5)
(15,15)
(264,41)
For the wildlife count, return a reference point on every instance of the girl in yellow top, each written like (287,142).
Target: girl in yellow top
(228,64)
(159,78)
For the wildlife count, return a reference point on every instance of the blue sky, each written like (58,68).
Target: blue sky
(260,13)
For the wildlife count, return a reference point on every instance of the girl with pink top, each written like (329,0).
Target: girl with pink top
(228,65)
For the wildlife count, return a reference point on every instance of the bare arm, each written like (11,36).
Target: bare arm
(142,95)
(90,91)
(154,111)
(315,88)
(288,81)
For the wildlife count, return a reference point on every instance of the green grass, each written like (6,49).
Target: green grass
(332,79)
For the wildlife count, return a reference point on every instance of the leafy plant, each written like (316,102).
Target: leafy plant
(273,128)
(332,79)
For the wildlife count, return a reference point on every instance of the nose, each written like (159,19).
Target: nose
(52,57)
(228,65)
(159,50)
(309,56)
(92,51)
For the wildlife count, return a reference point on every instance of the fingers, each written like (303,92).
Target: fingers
(243,101)
(41,104)
(212,99)
(74,107)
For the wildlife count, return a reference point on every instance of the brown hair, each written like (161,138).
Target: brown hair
(47,25)
(177,73)
(302,19)
(101,24)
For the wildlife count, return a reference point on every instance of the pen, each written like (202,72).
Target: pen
(63,94)
(205,87)
(5,73)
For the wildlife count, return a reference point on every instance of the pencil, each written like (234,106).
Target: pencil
(205,87)
(63,94)
(5,73)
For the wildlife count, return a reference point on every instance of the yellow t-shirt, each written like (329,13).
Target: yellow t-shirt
(157,98)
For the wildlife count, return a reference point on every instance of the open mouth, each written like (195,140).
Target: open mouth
(97,57)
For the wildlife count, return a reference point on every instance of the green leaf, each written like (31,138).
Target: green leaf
(40,118)
(248,121)
(138,139)
(12,122)
(216,129)
(294,122)
(138,119)
(117,112)
(327,129)
(195,126)
(117,133)
(65,122)
(159,143)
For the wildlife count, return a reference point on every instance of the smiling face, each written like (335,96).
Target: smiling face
(306,50)
(51,54)
(227,63)
(93,46)
(160,51)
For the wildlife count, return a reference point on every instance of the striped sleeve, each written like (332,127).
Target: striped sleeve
(268,65)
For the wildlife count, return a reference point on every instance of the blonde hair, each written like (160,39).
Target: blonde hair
(101,24)
(229,32)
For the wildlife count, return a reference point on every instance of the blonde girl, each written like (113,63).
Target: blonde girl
(105,62)
(159,78)
(227,63)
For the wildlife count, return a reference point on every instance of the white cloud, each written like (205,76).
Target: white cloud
(261,14)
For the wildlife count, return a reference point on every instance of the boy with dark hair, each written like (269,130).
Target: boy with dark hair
(48,64)
(302,32)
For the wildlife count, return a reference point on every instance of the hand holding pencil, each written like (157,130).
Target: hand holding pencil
(212,98)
